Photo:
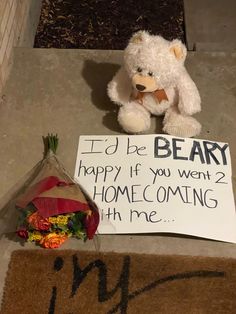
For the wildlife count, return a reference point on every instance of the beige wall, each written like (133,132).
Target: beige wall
(14,18)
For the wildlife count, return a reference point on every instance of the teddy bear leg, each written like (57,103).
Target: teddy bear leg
(179,125)
(134,118)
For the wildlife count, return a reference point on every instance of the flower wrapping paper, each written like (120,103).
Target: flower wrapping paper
(53,207)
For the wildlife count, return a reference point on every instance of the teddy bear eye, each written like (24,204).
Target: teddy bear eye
(150,73)
(139,69)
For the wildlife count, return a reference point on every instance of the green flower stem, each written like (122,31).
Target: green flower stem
(50,143)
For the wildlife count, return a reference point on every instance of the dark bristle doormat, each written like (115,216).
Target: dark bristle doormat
(72,282)
(106,24)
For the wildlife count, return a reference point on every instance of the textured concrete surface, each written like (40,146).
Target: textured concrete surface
(31,24)
(64,92)
(210,25)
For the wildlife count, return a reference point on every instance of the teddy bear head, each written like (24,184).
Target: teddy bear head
(152,62)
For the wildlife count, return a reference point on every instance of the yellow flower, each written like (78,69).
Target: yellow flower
(62,220)
(53,220)
(59,220)
(35,236)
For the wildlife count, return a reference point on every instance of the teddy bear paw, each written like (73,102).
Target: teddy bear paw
(134,120)
(183,127)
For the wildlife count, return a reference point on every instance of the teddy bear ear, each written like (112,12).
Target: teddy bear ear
(178,49)
(138,37)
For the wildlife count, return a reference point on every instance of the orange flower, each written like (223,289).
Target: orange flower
(53,240)
(38,222)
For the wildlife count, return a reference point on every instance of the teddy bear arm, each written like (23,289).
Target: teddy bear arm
(189,98)
(119,89)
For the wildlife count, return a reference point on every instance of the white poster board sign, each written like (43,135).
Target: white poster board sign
(159,183)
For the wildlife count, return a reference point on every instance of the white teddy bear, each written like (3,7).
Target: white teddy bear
(154,81)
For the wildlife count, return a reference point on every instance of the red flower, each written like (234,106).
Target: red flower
(38,222)
(23,233)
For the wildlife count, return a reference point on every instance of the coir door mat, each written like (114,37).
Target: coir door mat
(73,282)
(106,24)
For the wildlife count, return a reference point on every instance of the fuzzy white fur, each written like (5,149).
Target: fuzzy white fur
(164,62)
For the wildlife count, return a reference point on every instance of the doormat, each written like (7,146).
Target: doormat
(72,282)
(106,24)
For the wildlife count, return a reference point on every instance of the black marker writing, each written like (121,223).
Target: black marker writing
(204,151)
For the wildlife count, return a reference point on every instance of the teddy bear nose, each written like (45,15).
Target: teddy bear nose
(140,87)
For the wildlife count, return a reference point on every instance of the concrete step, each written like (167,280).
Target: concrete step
(210,25)
(64,92)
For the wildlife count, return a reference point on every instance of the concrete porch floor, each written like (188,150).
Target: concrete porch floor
(64,92)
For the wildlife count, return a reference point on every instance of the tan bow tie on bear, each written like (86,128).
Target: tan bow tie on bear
(158,94)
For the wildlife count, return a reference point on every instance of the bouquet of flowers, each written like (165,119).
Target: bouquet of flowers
(53,207)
